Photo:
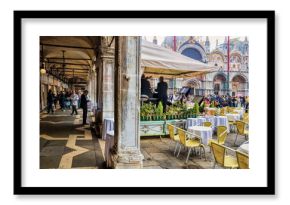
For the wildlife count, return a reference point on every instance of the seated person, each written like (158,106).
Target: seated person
(145,86)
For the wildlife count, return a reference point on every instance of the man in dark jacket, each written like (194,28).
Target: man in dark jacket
(61,99)
(162,92)
(145,87)
(49,102)
(84,106)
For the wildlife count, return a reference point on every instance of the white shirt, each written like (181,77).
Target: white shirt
(74,98)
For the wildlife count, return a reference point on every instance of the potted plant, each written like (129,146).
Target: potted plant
(146,111)
(196,108)
(159,111)
(201,107)
(212,104)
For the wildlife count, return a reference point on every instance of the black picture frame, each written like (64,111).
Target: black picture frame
(268,190)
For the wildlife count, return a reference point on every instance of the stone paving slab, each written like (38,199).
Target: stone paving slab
(147,163)
(146,155)
(159,156)
(50,162)
(152,150)
(68,150)
(56,143)
(86,144)
(58,119)
(42,143)
(87,159)
(52,151)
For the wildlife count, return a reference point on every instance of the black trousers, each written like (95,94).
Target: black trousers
(74,109)
(164,103)
(85,112)
(49,108)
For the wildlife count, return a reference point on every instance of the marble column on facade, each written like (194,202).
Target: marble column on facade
(91,87)
(126,153)
(105,84)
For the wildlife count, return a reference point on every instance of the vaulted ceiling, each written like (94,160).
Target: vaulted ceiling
(68,58)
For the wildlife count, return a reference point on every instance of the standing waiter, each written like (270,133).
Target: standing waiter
(162,92)
(84,106)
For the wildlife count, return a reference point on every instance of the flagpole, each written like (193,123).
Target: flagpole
(174,48)
(228,73)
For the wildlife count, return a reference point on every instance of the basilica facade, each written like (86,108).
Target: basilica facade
(233,81)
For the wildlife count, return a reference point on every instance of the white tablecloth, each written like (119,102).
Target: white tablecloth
(195,122)
(222,121)
(107,126)
(109,143)
(244,147)
(233,117)
(240,111)
(211,119)
(205,133)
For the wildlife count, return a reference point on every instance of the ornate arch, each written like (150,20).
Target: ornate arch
(196,47)
(192,81)
(239,84)
(219,83)
(240,75)
(219,74)
(217,52)
(237,54)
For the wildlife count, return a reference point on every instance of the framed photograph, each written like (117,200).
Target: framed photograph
(144,102)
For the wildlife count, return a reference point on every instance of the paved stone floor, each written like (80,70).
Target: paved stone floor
(66,144)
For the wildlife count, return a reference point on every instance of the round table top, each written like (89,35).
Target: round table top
(233,114)
(244,148)
(109,119)
(220,116)
(200,128)
(111,133)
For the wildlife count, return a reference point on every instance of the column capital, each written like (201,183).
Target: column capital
(107,47)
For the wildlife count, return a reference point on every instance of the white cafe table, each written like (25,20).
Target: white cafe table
(209,118)
(233,117)
(205,133)
(244,147)
(240,111)
(195,122)
(222,121)
(108,125)
(109,143)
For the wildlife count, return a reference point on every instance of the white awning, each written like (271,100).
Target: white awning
(159,61)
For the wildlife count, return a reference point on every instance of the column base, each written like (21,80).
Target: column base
(127,160)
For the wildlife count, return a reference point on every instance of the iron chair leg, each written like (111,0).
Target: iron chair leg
(179,151)
(204,153)
(175,149)
(236,139)
(188,155)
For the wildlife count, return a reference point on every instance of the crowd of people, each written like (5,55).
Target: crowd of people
(69,100)
(227,100)
(162,89)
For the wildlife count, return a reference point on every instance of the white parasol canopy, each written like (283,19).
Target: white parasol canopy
(159,61)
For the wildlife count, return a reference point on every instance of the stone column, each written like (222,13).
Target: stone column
(106,80)
(127,104)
